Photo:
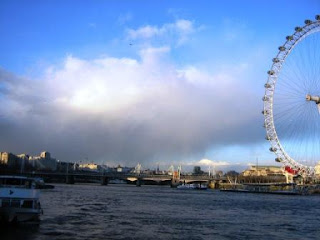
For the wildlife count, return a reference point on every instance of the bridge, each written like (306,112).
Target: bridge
(130,178)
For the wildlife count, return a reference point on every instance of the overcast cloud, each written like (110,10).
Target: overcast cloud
(129,110)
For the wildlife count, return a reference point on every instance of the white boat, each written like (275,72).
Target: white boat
(117,181)
(19,199)
(41,184)
(191,186)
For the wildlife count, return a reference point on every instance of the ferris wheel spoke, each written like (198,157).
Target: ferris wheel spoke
(288,83)
(295,73)
(296,139)
(288,112)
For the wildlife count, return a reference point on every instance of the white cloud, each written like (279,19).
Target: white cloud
(107,84)
(145,32)
(210,165)
(208,162)
(179,31)
(184,26)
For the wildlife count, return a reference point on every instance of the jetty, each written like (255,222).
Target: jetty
(275,188)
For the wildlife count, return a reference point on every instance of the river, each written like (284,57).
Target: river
(88,211)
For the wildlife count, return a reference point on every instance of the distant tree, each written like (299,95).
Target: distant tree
(232,173)
(232,176)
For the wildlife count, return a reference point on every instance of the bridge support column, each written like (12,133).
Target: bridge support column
(104,180)
(174,182)
(69,179)
(211,184)
(139,182)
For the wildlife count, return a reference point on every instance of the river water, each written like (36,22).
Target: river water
(160,212)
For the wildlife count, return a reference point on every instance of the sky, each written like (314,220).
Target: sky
(150,82)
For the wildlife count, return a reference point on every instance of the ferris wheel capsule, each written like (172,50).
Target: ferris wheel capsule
(307,22)
(271,72)
(289,38)
(267,85)
(268,138)
(273,149)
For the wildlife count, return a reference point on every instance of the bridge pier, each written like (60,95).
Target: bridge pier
(69,179)
(139,182)
(216,184)
(174,182)
(211,184)
(104,180)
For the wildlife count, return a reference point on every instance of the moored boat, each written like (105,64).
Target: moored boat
(19,199)
(41,184)
(193,186)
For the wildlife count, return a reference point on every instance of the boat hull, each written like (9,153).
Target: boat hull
(192,187)
(13,214)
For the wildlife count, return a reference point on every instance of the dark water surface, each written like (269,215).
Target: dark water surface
(154,212)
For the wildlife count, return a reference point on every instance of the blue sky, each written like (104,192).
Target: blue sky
(46,30)
(141,81)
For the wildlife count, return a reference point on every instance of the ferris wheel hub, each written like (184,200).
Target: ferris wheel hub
(316,99)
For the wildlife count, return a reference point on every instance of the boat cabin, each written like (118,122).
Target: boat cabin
(17,182)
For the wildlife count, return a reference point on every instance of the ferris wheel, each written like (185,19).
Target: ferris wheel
(292,100)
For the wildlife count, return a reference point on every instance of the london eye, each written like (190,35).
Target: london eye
(292,100)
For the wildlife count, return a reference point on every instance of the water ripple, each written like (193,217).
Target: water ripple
(154,212)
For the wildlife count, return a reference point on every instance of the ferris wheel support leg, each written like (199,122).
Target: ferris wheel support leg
(289,178)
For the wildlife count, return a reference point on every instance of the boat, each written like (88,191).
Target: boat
(19,199)
(41,184)
(193,186)
(117,181)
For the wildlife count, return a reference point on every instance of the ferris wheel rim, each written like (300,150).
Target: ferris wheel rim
(300,33)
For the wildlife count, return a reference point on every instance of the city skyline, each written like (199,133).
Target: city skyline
(162,82)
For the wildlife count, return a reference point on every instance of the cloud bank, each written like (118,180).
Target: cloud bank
(129,110)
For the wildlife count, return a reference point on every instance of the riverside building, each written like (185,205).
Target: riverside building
(263,171)
(42,162)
